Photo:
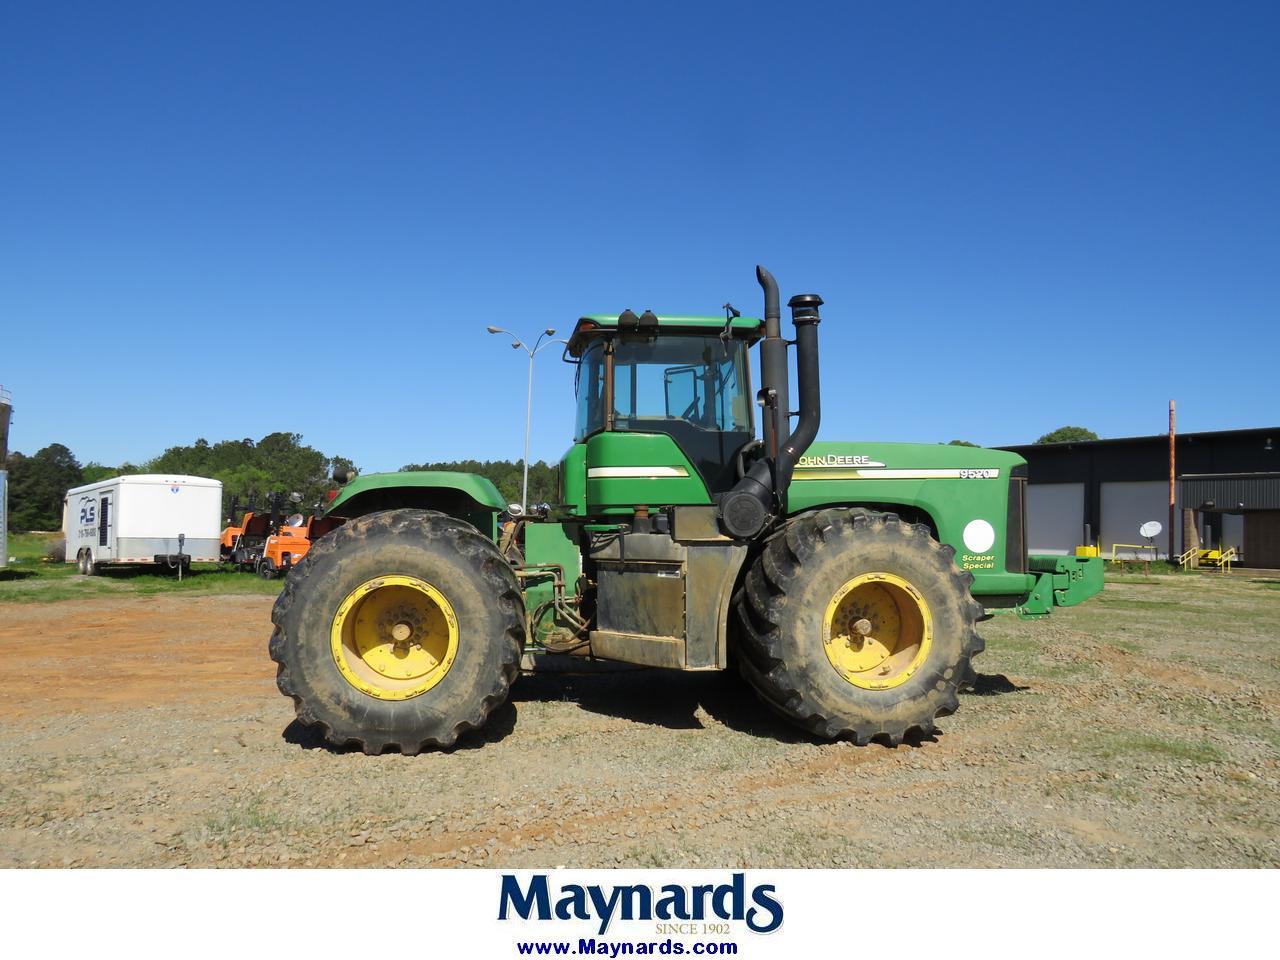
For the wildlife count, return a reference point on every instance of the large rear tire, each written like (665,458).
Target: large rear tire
(401,629)
(857,625)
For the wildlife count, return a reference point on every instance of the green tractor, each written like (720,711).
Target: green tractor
(845,581)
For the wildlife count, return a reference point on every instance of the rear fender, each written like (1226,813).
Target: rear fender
(467,496)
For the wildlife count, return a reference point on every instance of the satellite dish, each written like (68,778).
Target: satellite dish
(1151,529)
(295,520)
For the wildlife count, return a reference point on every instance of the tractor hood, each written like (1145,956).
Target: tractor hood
(839,460)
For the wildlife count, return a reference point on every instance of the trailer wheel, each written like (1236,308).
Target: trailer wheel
(266,569)
(401,629)
(857,625)
(90,568)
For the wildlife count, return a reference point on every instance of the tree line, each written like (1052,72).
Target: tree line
(279,462)
(249,471)
(507,476)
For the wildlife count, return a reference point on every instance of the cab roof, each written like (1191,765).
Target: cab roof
(746,328)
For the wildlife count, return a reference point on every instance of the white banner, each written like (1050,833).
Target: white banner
(753,913)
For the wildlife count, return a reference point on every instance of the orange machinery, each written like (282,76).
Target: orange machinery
(242,542)
(290,543)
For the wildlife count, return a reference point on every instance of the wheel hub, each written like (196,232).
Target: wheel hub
(877,630)
(394,637)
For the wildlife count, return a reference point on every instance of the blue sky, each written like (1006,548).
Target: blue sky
(224,220)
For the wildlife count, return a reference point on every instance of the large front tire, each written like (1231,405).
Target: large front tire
(857,625)
(401,629)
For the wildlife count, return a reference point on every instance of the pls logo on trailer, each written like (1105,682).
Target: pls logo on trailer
(758,907)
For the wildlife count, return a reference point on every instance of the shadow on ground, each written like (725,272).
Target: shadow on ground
(152,571)
(661,698)
(672,700)
(992,685)
(500,726)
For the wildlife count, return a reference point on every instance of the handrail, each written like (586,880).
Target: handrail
(1184,558)
(1224,563)
(1155,553)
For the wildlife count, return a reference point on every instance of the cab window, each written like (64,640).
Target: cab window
(698,380)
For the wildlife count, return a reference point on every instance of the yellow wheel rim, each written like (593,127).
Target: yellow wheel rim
(394,637)
(877,631)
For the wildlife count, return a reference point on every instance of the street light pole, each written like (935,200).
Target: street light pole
(528,425)
(518,344)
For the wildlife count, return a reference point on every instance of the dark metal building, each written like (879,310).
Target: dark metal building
(1101,491)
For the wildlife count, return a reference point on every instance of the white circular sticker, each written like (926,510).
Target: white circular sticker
(979,536)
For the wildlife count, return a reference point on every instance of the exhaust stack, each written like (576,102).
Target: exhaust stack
(804,315)
(774,390)
(762,493)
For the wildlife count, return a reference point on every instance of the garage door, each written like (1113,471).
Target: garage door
(1055,517)
(1127,506)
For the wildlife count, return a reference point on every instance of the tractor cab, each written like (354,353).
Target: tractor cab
(663,401)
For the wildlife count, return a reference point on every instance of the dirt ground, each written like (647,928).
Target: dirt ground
(1141,729)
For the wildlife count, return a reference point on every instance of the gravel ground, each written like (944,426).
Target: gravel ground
(1140,729)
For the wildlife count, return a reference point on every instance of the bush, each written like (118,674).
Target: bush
(57,552)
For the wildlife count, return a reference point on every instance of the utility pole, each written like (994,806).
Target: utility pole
(1173,481)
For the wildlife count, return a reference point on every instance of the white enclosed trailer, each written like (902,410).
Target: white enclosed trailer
(146,518)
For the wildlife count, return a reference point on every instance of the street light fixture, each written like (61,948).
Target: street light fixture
(518,344)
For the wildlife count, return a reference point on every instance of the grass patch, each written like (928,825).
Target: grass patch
(1152,745)
(1014,644)
(249,817)
(31,547)
(1064,670)
(37,581)
(32,578)
(1229,717)
(204,579)
(1156,568)
(1134,603)
(991,835)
